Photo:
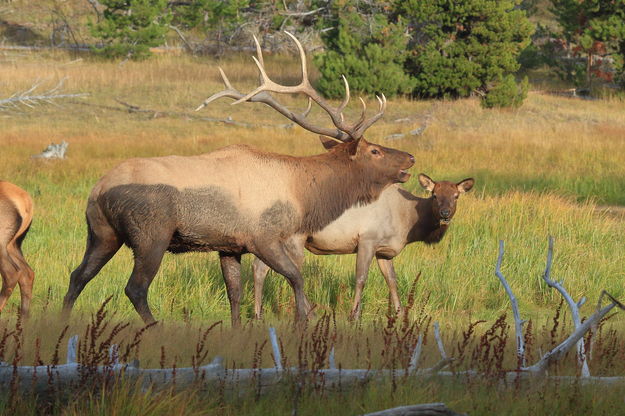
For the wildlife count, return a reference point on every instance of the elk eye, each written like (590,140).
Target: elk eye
(433,196)
(375,152)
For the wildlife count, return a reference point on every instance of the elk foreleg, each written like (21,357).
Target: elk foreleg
(295,250)
(260,271)
(275,255)
(363,261)
(231,271)
(388,270)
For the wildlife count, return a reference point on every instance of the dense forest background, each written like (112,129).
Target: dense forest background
(433,49)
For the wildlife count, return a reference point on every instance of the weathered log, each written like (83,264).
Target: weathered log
(427,409)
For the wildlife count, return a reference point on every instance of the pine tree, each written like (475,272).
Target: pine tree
(365,47)
(594,29)
(130,27)
(460,47)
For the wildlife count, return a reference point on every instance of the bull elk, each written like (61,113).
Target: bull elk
(381,229)
(234,200)
(16,214)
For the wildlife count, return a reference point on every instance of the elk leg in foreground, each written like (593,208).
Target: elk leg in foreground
(275,255)
(26,278)
(295,249)
(8,270)
(388,270)
(363,261)
(231,271)
(102,244)
(14,271)
(260,270)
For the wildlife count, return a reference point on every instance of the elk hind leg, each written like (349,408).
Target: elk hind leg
(102,244)
(231,271)
(147,262)
(9,271)
(26,276)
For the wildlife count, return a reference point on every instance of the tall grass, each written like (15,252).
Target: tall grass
(540,170)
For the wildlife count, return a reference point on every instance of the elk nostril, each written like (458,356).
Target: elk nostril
(445,213)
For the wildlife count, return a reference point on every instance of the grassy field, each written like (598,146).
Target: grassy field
(554,167)
(545,169)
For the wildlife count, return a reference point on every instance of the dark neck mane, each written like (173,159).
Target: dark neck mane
(330,184)
(426,227)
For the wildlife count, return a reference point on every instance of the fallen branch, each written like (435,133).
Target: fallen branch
(53,151)
(29,99)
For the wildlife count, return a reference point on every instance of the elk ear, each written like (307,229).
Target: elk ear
(328,143)
(465,185)
(426,182)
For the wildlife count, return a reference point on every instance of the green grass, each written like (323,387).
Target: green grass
(539,171)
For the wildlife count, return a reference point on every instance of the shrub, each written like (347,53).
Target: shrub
(506,93)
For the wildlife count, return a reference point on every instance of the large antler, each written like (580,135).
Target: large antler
(343,131)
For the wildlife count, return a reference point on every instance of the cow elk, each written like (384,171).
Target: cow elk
(381,229)
(234,200)
(16,214)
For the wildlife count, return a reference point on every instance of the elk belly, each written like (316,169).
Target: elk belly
(193,219)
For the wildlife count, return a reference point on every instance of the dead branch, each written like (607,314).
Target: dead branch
(559,351)
(573,306)
(29,99)
(518,323)
(301,14)
(53,151)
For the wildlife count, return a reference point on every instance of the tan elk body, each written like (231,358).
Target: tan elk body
(16,214)
(234,200)
(381,229)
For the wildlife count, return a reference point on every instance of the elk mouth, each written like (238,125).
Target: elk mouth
(445,221)
(403,176)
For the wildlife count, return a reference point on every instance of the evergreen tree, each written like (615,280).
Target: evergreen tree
(130,27)
(594,29)
(365,47)
(464,46)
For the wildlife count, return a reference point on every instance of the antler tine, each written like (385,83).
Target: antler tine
(362,115)
(265,82)
(259,51)
(302,57)
(308,108)
(347,95)
(228,92)
(361,127)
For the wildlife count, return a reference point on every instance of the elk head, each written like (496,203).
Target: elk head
(445,196)
(382,162)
